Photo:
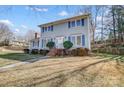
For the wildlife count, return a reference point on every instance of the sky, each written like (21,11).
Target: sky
(22,18)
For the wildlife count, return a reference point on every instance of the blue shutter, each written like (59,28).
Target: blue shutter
(83,40)
(42,29)
(42,43)
(49,28)
(82,22)
(69,24)
(38,43)
(69,38)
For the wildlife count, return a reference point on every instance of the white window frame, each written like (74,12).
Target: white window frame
(75,45)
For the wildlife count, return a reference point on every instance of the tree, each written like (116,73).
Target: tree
(5,33)
(50,44)
(29,35)
(67,44)
(117,19)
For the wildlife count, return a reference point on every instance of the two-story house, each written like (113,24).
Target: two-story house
(76,29)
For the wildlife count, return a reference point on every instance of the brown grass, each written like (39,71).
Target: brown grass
(69,71)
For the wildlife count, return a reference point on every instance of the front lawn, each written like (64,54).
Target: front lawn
(10,57)
(93,71)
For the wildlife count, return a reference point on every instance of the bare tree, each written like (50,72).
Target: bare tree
(5,33)
(29,35)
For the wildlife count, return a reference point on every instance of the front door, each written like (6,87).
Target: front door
(59,42)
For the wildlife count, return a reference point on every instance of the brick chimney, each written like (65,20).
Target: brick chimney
(36,35)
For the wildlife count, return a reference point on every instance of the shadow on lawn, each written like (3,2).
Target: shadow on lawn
(18,56)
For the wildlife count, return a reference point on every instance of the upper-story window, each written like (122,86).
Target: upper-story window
(51,27)
(78,22)
(73,23)
(45,28)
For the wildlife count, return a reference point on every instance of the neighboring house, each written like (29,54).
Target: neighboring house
(76,29)
(34,43)
(18,43)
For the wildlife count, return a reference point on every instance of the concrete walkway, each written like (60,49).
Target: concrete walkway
(4,68)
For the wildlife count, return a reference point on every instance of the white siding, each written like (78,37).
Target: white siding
(62,30)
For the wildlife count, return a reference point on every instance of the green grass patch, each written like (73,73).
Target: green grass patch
(11,57)
(17,56)
(113,57)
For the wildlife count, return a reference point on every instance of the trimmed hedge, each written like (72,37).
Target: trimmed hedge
(60,52)
(67,44)
(80,52)
(44,52)
(74,52)
(35,51)
(63,52)
(26,50)
(50,44)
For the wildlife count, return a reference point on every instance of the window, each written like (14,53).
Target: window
(78,22)
(69,24)
(48,40)
(78,40)
(73,40)
(45,28)
(33,43)
(49,28)
(82,22)
(69,38)
(42,29)
(73,23)
(65,38)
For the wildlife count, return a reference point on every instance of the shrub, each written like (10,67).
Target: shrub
(67,44)
(44,52)
(70,53)
(65,52)
(26,50)
(121,50)
(95,50)
(52,52)
(34,51)
(74,52)
(87,51)
(60,52)
(50,44)
(81,52)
